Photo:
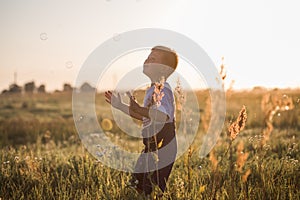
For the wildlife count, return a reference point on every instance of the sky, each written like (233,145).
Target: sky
(47,41)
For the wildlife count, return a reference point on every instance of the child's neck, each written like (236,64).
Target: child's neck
(157,80)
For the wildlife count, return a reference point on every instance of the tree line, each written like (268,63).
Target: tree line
(31,87)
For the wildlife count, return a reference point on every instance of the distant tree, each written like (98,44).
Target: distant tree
(57,91)
(14,88)
(258,88)
(29,87)
(67,88)
(41,89)
(4,91)
(86,87)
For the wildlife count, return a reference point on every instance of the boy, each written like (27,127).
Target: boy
(157,115)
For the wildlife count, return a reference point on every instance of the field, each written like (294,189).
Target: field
(42,157)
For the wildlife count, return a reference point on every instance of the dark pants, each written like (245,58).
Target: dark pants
(155,163)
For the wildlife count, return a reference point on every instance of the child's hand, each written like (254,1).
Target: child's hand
(133,105)
(114,100)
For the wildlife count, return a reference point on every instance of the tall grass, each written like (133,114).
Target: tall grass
(41,156)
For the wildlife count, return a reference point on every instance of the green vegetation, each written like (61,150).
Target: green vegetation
(41,156)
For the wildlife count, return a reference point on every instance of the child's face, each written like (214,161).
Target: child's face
(154,66)
(155,57)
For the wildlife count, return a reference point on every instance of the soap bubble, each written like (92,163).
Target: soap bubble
(116,37)
(69,64)
(43,36)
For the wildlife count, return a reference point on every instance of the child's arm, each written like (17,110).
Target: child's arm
(117,103)
(154,114)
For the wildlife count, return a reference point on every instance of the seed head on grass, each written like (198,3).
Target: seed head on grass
(158,94)
(180,95)
(272,104)
(223,72)
(236,127)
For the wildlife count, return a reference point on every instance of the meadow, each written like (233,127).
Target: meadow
(42,157)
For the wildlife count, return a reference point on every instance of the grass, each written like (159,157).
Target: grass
(41,156)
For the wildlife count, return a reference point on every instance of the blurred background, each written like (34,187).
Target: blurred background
(48,41)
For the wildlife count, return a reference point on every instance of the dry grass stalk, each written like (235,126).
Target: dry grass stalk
(222,72)
(245,176)
(241,157)
(271,105)
(207,114)
(206,117)
(236,127)
(213,160)
(180,95)
(158,94)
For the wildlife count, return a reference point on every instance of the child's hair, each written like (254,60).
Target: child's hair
(170,56)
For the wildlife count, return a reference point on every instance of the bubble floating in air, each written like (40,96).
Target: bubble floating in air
(69,64)
(116,37)
(43,36)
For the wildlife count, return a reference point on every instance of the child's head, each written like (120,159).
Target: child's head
(162,61)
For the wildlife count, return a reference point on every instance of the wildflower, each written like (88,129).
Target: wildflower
(236,127)
(133,183)
(202,188)
(6,162)
(179,183)
(106,124)
(17,159)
